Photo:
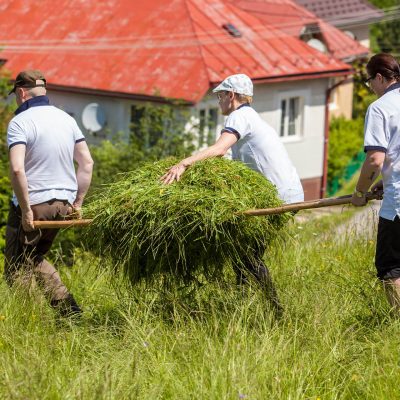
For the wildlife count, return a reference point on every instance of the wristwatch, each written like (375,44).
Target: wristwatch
(359,193)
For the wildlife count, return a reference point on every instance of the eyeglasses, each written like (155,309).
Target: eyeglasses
(367,81)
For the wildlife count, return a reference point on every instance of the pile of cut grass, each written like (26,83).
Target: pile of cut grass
(188,228)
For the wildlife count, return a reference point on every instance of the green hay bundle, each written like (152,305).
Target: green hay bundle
(189,227)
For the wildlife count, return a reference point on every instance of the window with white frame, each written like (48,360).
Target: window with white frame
(207,125)
(290,117)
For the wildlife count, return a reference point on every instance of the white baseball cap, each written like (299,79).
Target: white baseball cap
(239,83)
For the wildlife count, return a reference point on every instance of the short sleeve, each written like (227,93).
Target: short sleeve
(375,130)
(78,135)
(15,134)
(237,124)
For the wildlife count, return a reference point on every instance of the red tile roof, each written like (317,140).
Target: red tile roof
(291,18)
(166,48)
(343,12)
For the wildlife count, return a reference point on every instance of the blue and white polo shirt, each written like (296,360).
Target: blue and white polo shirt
(382,133)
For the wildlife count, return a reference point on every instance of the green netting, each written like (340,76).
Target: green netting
(336,184)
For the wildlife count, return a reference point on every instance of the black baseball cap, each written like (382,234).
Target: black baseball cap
(29,79)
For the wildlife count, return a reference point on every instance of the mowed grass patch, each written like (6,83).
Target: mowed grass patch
(336,340)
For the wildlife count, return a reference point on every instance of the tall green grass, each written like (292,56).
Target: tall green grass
(336,340)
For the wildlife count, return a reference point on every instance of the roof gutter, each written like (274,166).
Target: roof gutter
(298,77)
(305,76)
(350,59)
(119,95)
(356,21)
(329,91)
(182,102)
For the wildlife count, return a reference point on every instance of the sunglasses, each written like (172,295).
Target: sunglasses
(367,81)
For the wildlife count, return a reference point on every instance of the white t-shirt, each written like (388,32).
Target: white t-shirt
(382,132)
(50,135)
(260,147)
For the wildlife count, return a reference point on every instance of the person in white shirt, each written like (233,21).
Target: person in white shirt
(43,143)
(382,147)
(256,144)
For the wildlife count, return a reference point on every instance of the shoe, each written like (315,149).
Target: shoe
(67,307)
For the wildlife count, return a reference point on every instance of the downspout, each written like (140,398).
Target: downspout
(329,91)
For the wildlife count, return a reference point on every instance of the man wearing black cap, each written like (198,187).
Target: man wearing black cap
(29,79)
(43,143)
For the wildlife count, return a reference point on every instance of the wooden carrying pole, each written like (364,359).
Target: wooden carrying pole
(306,205)
(61,224)
(333,201)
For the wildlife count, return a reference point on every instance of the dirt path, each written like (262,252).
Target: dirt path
(363,222)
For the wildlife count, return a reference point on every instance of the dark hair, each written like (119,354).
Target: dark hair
(384,64)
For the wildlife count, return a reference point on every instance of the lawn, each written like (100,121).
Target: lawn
(336,340)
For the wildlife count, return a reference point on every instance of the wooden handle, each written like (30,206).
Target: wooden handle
(61,224)
(333,201)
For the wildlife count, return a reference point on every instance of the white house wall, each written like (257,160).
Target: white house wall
(117,112)
(306,152)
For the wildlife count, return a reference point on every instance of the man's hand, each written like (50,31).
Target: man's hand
(173,174)
(27,220)
(219,149)
(75,211)
(359,199)
(378,189)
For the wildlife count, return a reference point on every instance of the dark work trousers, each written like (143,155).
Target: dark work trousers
(255,267)
(25,251)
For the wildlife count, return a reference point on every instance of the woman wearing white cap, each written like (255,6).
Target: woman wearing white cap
(253,142)
(251,139)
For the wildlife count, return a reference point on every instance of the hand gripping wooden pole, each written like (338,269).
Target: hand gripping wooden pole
(333,201)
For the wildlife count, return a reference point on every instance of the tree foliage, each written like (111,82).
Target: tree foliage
(157,131)
(362,95)
(345,141)
(6,110)
(385,35)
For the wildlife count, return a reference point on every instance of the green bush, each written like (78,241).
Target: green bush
(5,195)
(160,131)
(345,142)
(6,109)
(362,95)
(384,34)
